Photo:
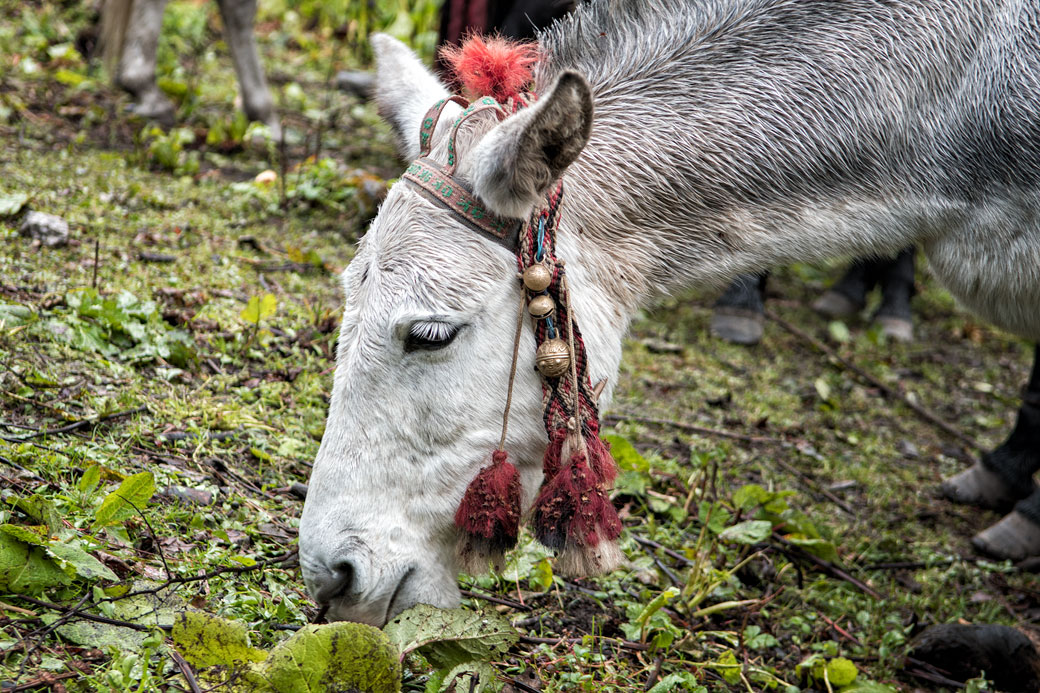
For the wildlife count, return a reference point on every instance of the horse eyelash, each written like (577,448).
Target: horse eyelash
(433,334)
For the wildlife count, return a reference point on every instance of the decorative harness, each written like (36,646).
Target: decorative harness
(572,514)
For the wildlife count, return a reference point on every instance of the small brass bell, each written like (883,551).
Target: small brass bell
(553,358)
(537,277)
(541,306)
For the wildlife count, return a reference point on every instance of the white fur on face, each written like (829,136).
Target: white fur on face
(408,431)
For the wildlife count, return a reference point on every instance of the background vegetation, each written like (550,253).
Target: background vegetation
(164,379)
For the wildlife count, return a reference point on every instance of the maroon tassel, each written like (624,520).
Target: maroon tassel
(573,508)
(489,515)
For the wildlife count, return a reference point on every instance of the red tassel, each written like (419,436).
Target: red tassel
(492,66)
(489,514)
(574,508)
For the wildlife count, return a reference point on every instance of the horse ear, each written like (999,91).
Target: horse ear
(404,91)
(514,166)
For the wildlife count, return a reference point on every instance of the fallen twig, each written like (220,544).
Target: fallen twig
(924,413)
(495,600)
(185,670)
(624,644)
(692,428)
(827,566)
(75,425)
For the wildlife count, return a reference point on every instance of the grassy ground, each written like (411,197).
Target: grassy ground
(188,330)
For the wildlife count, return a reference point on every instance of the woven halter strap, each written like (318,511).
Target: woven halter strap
(437,182)
(572,513)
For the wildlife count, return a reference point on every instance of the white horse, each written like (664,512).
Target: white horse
(130,38)
(727,136)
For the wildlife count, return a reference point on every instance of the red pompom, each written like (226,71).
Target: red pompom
(489,513)
(492,66)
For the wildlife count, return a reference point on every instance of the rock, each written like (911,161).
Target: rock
(191,496)
(1007,655)
(51,231)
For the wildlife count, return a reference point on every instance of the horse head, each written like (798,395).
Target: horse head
(425,350)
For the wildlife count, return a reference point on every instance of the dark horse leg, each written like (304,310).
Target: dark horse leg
(739,311)
(1005,476)
(895,277)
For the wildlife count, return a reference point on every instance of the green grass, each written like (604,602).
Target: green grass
(169,371)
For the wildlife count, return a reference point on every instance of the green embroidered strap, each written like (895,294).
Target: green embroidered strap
(485,103)
(436,184)
(429,122)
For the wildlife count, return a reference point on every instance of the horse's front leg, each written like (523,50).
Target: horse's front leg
(238,18)
(136,69)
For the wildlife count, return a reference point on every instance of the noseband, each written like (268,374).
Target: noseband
(572,514)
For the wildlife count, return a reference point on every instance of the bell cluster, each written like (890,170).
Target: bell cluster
(553,357)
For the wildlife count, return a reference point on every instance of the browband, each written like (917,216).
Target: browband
(436,185)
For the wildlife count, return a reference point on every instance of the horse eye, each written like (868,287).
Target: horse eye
(430,336)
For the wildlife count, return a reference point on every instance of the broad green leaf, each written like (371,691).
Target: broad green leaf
(750,496)
(820,548)
(25,569)
(36,535)
(207,641)
(82,563)
(90,480)
(259,308)
(40,509)
(12,203)
(727,665)
(14,315)
(626,456)
(470,676)
(747,532)
(127,500)
(841,672)
(158,609)
(542,575)
(449,637)
(333,657)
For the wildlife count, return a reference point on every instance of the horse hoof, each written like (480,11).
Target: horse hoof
(834,304)
(355,82)
(899,329)
(1014,538)
(977,485)
(737,326)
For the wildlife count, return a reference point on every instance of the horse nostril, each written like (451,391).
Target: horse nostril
(338,582)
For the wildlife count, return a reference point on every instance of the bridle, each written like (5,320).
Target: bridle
(572,512)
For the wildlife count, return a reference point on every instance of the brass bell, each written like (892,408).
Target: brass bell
(553,358)
(537,277)
(541,306)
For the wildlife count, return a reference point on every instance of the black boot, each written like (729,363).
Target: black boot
(739,312)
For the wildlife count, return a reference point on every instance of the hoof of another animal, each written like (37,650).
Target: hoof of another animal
(355,82)
(977,485)
(737,326)
(1007,655)
(1015,538)
(476,557)
(899,329)
(155,106)
(834,304)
